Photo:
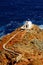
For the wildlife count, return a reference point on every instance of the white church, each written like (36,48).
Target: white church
(27,25)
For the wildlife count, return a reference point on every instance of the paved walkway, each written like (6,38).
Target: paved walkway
(4,46)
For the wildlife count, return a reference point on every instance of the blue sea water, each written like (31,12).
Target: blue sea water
(13,13)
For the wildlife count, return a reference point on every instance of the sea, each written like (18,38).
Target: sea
(14,13)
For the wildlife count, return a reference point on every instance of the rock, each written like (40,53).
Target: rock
(27,46)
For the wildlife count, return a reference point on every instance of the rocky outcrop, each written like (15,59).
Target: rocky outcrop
(27,43)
